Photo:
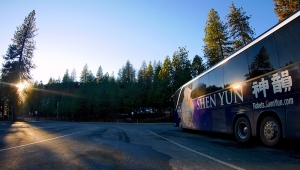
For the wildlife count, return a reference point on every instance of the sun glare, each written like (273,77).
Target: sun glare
(237,86)
(21,86)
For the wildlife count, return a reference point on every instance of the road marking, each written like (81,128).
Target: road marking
(202,154)
(20,146)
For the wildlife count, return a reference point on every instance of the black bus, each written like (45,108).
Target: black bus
(254,92)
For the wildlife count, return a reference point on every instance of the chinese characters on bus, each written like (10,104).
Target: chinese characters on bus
(279,82)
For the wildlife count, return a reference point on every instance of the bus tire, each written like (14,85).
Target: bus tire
(242,130)
(270,131)
(180,126)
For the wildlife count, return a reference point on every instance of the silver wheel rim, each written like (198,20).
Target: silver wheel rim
(243,130)
(270,130)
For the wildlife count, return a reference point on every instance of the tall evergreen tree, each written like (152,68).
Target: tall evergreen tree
(66,77)
(142,90)
(58,80)
(73,75)
(112,77)
(284,8)
(25,46)
(51,81)
(164,84)
(240,30)
(90,77)
(149,73)
(166,71)
(99,74)
(181,68)
(142,72)
(84,74)
(127,73)
(18,60)
(216,41)
(197,66)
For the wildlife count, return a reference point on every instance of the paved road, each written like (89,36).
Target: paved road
(70,145)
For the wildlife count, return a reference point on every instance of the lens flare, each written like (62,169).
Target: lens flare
(21,86)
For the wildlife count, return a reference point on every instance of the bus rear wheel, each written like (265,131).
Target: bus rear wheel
(242,130)
(270,131)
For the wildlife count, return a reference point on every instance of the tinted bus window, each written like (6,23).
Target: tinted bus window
(199,87)
(287,43)
(262,58)
(215,80)
(236,70)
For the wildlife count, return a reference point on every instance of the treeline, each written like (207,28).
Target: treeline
(104,97)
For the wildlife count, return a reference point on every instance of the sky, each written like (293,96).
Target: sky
(108,33)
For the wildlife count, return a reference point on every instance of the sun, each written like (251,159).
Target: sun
(21,86)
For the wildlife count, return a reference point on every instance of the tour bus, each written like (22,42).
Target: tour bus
(253,92)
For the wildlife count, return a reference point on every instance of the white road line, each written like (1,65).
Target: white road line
(202,154)
(20,146)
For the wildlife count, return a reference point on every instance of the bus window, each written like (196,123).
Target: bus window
(235,70)
(215,80)
(262,58)
(287,43)
(199,87)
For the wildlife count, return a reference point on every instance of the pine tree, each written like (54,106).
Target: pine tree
(181,68)
(164,87)
(51,81)
(142,72)
(197,66)
(66,77)
(149,73)
(18,60)
(240,31)
(143,86)
(58,80)
(84,74)
(216,41)
(127,73)
(73,75)
(112,77)
(166,71)
(90,77)
(25,46)
(284,8)
(156,94)
(99,74)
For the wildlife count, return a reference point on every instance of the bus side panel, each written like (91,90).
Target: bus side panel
(292,129)
(202,119)
(292,104)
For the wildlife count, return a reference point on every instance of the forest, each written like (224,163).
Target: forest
(102,97)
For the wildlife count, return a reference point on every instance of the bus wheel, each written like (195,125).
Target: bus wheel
(242,130)
(270,131)
(180,126)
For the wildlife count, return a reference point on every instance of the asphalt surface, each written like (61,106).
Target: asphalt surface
(73,145)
